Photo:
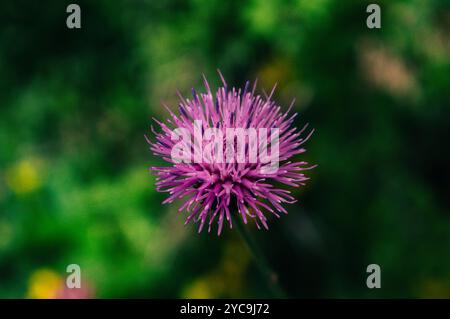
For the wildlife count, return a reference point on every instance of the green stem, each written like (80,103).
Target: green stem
(269,275)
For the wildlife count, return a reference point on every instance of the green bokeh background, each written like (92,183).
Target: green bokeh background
(74,180)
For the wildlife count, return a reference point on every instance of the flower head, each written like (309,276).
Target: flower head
(218,154)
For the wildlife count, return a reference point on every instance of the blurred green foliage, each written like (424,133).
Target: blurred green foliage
(74,181)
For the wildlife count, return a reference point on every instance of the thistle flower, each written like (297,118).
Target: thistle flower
(213,188)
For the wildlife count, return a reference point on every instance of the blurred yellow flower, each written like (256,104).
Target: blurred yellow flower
(44,284)
(224,281)
(23,177)
(435,289)
(200,289)
(281,71)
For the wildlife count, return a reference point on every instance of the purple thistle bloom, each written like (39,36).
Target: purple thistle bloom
(211,189)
